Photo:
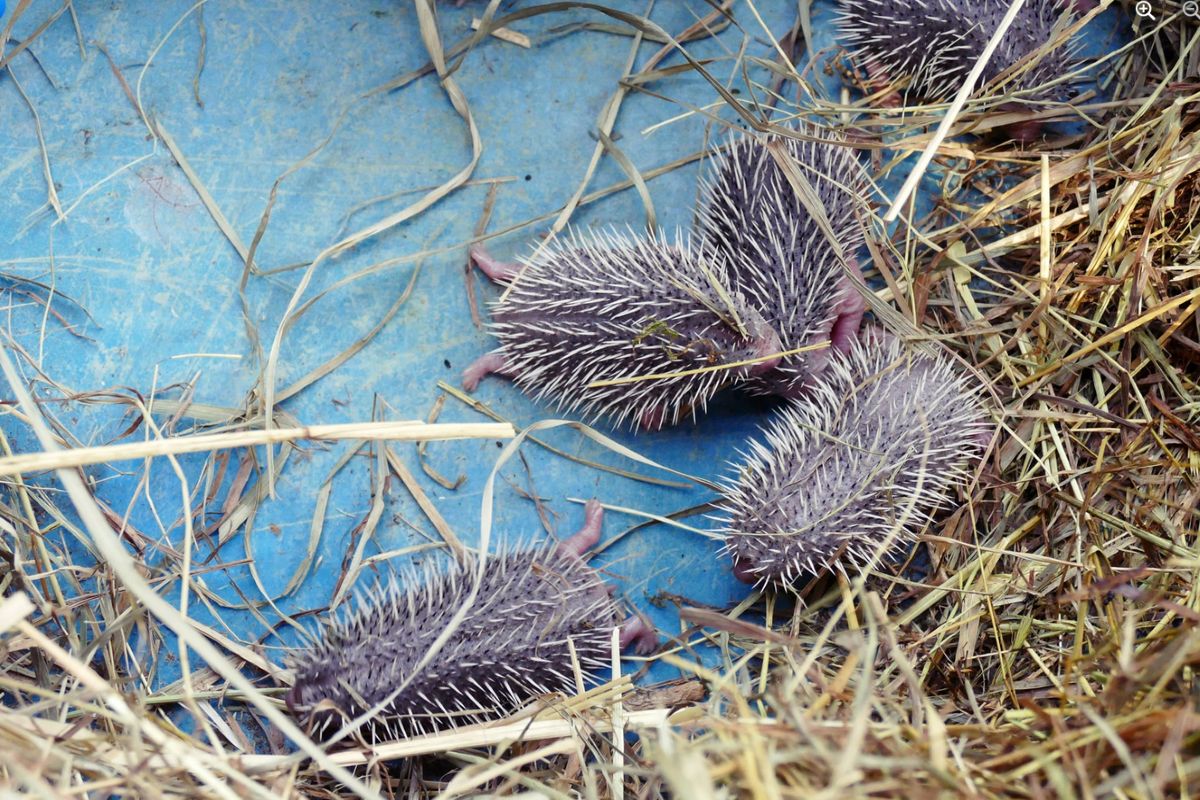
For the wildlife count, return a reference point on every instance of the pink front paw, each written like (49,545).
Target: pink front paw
(640,634)
(498,271)
(878,80)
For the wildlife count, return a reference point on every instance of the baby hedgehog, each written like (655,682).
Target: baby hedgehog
(779,257)
(936,43)
(855,469)
(606,307)
(509,649)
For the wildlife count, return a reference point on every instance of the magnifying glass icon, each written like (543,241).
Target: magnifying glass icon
(1191,9)
(1144,9)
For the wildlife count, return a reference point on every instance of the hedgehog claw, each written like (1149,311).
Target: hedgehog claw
(642,636)
(480,368)
(498,271)
(588,535)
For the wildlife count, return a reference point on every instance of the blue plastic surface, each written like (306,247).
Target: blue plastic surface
(139,251)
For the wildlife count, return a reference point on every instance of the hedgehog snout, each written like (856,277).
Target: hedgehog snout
(744,571)
(1023,132)
(764,344)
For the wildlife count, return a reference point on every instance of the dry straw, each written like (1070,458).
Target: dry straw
(1045,644)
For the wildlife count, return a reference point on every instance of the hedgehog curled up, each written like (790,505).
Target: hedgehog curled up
(936,43)
(625,327)
(778,256)
(854,471)
(511,647)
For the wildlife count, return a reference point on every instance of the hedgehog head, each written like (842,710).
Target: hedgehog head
(761,342)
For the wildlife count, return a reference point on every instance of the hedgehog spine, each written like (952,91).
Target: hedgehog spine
(856,469)
(510,648)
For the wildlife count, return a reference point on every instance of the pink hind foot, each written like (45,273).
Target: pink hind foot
(498,271)
(492,364)
(588,535)
(641,635)
(656,417)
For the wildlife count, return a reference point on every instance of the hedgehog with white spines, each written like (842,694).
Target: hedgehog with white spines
(511,647)
(778,256)
(613,307)
(936,43)
(856,469)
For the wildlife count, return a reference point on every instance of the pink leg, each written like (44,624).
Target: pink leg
(849,310)
(480,368)
(635,631)
(588,535)
(498,271)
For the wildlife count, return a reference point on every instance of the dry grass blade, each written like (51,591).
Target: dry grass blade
(405,430)
(205,197)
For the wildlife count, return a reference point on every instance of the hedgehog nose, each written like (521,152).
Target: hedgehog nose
(767,348)
(743,572)
(763,367)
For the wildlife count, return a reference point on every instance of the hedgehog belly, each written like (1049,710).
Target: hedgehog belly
(854,471)
(511,647)
(780,258)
